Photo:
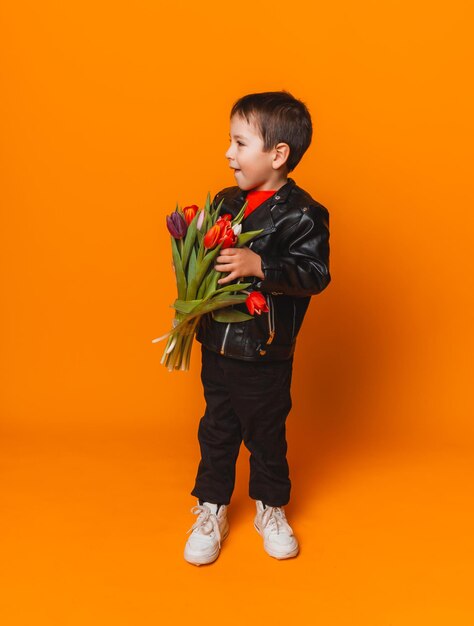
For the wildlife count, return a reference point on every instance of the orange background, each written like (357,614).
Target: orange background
(110,114)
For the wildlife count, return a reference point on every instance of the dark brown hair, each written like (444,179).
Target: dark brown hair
(279,117)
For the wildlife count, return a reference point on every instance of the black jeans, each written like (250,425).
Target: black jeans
(249,401)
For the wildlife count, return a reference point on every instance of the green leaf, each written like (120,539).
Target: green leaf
(216,211)
(192,265)
(201,249)
(189,241)
(233,287)
(231,315)
(208,222)
(206,307)
(238,218)
(211,286)
(219,302)
(204,285)
(201,269)
(185,306)
(244,238)
(178,266)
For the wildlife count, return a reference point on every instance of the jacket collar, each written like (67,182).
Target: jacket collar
(281,195)
(261,217)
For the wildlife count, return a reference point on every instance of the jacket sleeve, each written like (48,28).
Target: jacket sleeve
(304,268)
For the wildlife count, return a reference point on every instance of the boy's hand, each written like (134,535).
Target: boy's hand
(239,262)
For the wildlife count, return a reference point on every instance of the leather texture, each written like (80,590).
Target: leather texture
(294,248)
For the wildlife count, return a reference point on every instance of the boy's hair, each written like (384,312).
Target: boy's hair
(279,117)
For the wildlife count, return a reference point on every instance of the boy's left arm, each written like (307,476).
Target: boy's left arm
(304,271)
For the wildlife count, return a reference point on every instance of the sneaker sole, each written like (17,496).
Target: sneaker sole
(205,560)
(277,555)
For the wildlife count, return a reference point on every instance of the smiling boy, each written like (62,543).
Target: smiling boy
(256,170)
(247,366)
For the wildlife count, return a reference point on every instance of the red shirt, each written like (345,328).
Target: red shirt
(255,199)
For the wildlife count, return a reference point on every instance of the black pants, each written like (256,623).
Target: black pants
(247,401)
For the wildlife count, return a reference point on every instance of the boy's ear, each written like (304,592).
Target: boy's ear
(282,152)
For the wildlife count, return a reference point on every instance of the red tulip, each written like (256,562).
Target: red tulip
(256,303)
(223,223)
(228,238)
(220,233)
(190,213)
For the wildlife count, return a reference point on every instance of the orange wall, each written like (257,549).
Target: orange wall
(111,113)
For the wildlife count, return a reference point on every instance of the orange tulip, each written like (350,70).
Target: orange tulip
(212,237)
(190,213)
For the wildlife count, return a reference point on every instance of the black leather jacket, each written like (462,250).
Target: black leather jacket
(294,247)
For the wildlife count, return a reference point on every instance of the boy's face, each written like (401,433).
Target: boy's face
(252,166)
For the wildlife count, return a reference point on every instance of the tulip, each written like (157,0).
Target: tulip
(256,303)
(237,229)
(190,213)
(228,239)
(200,219)
(223,223)
(211,238)
(176,225)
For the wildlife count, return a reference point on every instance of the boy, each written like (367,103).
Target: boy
(247,366)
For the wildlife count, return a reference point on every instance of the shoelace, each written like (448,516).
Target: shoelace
(275,517)
(206,523)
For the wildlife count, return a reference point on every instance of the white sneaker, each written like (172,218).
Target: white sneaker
(209,530)
(278,538)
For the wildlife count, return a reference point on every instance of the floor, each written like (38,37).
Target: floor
(93,527)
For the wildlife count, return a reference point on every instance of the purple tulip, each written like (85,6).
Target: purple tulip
(176,225)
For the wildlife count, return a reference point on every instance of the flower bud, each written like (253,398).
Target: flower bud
(256,303)
(200,219)
(176,225)
(190,212)
(211,238)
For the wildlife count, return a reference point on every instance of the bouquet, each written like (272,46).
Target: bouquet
(197,236)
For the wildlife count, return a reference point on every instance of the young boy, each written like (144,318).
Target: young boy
(247,366)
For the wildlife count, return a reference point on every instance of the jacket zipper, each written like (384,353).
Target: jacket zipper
(229,323)
(226,333)
(271,323)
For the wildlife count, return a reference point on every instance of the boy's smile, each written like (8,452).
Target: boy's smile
(253,168)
